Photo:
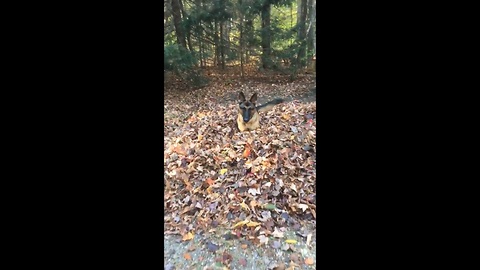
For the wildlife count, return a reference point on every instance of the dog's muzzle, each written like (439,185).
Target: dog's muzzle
(246,117)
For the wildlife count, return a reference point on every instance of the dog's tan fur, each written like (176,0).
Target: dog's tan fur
(254,122)
(252,115)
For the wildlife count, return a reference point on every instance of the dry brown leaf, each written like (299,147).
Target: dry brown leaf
(263,239)
(188,186)
(254,204)
(188,236)
(294,187)
(254,191)
(179,150)
(241,223)
(293,265)
(309,239)
(244,206)
(277,233)
(197,189)
(302,206)
(246,153)
(209,181)
(253,224)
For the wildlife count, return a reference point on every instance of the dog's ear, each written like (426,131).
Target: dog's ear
(253,99)
(241,97)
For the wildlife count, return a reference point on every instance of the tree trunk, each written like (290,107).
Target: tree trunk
(187,31)
(311,32)
(249,28)
(302,34)
(310,28)
(199,32)
(241,42)
(177,19)
(217,42)
(189,43)
(222,44)
(266,50)
(226,36)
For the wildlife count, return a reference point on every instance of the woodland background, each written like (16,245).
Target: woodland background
(275,35)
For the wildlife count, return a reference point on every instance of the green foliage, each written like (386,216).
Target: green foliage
(256,5)
(201,21)
(181,62)
(213,11)
(232,55)
(177,59)
(284,36)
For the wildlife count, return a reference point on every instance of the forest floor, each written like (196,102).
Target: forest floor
(240,200)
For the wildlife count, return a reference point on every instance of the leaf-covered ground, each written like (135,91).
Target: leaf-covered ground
(220,252)
(252,186)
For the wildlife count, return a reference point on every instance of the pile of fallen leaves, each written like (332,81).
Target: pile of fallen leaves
(252,183)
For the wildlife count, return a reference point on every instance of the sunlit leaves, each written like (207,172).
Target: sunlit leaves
(188,236)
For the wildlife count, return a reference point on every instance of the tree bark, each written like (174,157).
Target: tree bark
(249,28)
(222,45)
(199,31)
(266,49)
(310,28)
(177,19)
(311,32)
(241,41)
(217,46)
(302,34)
(187,31)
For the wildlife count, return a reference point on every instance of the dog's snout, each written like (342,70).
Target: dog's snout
(246,116)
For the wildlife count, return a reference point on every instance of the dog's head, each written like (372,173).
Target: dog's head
(247,108)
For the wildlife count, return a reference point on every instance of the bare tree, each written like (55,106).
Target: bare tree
(311,37)
(241,41)
(302,33)
(266,47)
(177,19)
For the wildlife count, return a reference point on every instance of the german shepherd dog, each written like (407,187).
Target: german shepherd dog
(248,118)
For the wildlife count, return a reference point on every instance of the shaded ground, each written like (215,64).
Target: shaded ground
(240,200)
(216,252)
